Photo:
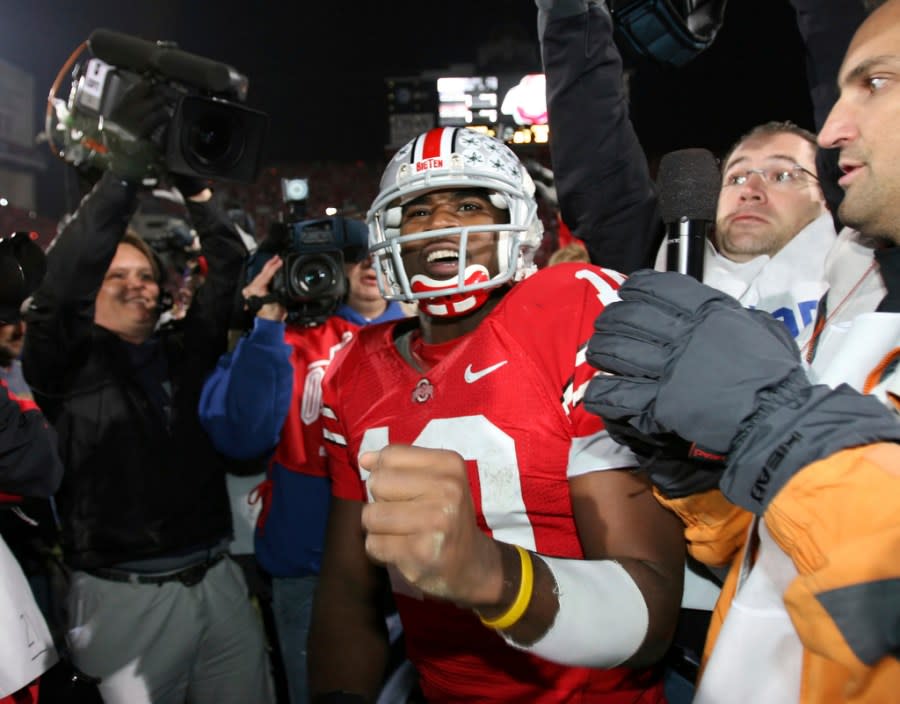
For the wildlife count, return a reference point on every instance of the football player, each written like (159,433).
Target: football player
(527,561)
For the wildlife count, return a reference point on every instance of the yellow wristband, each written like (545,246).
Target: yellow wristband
(526,588)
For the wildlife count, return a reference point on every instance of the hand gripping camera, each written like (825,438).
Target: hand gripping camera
(209,134)
(311,283)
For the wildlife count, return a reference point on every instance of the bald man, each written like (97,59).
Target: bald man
(804,507)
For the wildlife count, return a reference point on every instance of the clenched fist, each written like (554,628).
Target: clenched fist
(422,521)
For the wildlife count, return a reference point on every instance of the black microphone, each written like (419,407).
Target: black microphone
(689,182)
(140,55)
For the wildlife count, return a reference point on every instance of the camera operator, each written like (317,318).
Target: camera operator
(267,394)
(156,609)
(29,468)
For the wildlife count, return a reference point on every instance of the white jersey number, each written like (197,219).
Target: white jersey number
(493,451)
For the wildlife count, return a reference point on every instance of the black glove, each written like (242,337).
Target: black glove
(684,353)
(133,132)
(671,463)
(693,370)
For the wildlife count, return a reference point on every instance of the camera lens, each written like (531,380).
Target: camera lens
(214,141)
(215,137)
(313,276)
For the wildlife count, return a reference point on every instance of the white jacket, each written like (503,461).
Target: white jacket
(26,647)
(787,285)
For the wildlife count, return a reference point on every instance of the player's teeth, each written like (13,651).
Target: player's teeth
(442,254)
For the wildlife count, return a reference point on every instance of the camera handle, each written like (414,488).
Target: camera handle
(254,303)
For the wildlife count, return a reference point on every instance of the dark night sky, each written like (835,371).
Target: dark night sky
(318,69)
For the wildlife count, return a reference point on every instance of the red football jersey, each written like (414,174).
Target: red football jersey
(507,398)
(312,350)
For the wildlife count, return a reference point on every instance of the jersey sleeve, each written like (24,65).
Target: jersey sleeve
(342,468)
(586,290)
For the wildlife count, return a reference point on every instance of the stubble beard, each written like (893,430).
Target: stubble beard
(864,211)
(747,247)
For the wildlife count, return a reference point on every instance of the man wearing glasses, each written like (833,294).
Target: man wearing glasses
(773,228)
(770,191)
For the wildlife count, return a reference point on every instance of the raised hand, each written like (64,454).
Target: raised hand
(688,367)
(133,132)
(686,359)
(257,292)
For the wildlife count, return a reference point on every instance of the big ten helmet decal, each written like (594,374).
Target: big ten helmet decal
(454,158)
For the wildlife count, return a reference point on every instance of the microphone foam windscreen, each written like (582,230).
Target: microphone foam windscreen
(121,49)
(140,55)
(688,181)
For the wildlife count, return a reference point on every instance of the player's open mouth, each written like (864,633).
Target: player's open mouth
(442,262)
(443,256)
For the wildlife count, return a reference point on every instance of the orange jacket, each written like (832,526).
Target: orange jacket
(839,521)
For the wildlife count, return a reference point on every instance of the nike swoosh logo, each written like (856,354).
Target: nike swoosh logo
(472,377)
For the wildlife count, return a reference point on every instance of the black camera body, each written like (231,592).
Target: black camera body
(311,283)
(209,134)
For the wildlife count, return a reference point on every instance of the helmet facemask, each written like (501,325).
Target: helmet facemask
(458,159)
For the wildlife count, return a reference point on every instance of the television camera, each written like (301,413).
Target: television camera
(311,283)
(210,134)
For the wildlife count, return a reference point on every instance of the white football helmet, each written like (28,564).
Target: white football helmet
(458,158)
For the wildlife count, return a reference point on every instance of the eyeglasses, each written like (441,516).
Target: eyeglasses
(777,176)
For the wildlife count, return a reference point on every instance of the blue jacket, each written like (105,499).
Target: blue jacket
(264,399)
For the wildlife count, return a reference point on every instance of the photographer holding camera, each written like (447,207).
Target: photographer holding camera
(156,609)
(265,398)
